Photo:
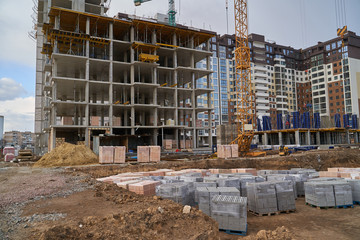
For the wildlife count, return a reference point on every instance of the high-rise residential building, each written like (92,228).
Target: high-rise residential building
(318,79)
(19,139)
(134,79)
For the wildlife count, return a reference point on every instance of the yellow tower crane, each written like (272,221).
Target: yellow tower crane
(245,116)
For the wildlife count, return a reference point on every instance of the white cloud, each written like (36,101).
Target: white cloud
(10,89)
(18,114)
(15,45)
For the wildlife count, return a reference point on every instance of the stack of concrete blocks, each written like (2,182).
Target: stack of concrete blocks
(230,212)
(284,177)
(106,154)
(229,182)
(343,193)
(234,150)
(299,183)
(320,193)
(285,195)
(321,179)
(148,154)
(178,192)
(202,185)
(211,179)
(119,154)
(192,177)
(262,197)
(227,151)
(355,189)
(146,187)
(251,171)
(143,154)
(243,184)
(155,153)
(205,194)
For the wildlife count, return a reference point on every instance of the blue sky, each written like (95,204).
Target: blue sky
(296,23)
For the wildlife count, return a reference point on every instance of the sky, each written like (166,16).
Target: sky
(296,23)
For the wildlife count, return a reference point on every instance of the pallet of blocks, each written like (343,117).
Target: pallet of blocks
(262,198)
(230,213)
(328,194)
(25,155)
(355,189)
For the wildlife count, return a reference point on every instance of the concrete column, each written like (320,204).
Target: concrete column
(280,139)
(195,138)
(192,44)
(57,22)
(111,36)
(297,138)
(177,138)
(265,139)
(87,91)
(88,32)
(356,137)
(318,142)
(210,129)
(102,11)
(347,134)
(308,138)
(87,137)
(155,137)
(52,139)
(328,138)
(132,120)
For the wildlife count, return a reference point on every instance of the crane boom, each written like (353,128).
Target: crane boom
(244,95)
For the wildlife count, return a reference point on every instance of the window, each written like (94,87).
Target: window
(333,45)
(327,47)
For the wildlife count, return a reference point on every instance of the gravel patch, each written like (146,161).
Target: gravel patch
(20,186)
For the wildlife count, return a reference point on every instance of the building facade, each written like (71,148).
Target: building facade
(129,77)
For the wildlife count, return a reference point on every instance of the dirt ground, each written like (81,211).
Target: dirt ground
(67,203)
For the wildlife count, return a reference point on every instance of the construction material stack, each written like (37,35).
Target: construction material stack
(355,189)
(285,196)
(25,155)
(179,192)
(262,198)
(328,193)
(230,212)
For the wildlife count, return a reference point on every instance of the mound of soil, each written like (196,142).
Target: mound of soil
(134,217)
(279,233)
(68,155)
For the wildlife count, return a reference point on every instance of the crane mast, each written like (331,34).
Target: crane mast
(245,115)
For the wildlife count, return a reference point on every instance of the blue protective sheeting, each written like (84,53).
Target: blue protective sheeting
(266,123)
(316,120)
(279,122)
(296,120)
(354,121)
(346,121)
(337,120)
(287,122)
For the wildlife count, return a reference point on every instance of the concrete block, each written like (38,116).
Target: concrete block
(234,150)
(155,153)
(119,154)
(143,154)
(106,154)
(227,151)
(144,187)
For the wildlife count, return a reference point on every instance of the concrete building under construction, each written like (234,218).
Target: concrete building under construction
(126,77)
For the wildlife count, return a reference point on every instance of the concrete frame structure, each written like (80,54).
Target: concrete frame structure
(91,78)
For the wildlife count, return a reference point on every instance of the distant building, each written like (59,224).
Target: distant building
(21,140)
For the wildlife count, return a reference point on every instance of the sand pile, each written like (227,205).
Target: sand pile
(68,155)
